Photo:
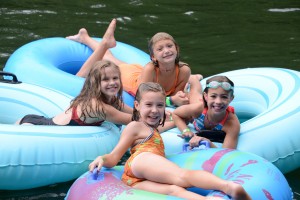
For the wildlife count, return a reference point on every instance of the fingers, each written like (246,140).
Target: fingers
(195,141)
(92,166)
(187,134)
(97,163)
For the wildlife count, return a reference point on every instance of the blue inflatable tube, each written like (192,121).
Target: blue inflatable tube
(266,99)
(260,178)
(35,156)
(52,62)
(267,104)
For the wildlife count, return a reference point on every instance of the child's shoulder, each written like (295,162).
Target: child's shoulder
(149,64)
(135,124)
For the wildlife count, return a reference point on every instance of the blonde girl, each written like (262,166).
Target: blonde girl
(100,98)
(164,68)
(147,168)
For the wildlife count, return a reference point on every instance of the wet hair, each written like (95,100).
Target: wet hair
(91,90)
(219,79)
(158,37)
(143,88)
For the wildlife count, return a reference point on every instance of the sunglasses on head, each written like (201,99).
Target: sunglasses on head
(215,84)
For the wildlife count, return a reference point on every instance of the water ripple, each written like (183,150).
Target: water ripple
(283,9)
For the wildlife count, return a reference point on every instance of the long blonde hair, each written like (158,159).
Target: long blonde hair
(91,90)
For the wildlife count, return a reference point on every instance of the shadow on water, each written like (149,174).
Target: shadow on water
(214,36)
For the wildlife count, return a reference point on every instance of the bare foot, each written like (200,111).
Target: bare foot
(236,191)
(109,37)
(198,76)
(194,79)
(82,36)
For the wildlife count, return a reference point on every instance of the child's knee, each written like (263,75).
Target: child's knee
(175,190)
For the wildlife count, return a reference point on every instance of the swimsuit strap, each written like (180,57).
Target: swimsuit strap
(199,122)
(75,120)
(228,110)
(175,82)
(149,136)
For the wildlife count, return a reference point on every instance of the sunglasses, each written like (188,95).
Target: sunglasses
(215,84)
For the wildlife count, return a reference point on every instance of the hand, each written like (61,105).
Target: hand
(169,116)
(195,141)
(187,134)
(180,98)
(98,162)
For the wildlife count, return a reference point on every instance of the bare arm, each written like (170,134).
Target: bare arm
(116,116)
(179,97)
(148,73)
(129,135)
(232,129)
(185,113)
(168,125)
(183,78)
(96,56)
(127,109)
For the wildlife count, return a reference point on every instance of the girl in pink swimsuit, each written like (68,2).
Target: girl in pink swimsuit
(147,168)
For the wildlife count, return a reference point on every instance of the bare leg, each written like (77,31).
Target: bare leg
(167,189)
(160,170)
(83,37)
(108,41)
(195,93)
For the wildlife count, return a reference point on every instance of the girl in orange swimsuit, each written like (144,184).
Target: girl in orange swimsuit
(164,68)
(100,98)
(216,114)
(147,168)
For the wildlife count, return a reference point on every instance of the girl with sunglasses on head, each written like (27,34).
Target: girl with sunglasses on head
(214,113)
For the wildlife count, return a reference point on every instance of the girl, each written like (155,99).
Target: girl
(164,67)
(147,168)
(100,98)
(216,114)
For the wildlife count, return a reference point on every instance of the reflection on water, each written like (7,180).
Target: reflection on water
(214,36)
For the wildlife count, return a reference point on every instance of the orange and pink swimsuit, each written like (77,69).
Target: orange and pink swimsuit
(154,144)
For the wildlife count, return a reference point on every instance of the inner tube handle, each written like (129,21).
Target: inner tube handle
(14,79)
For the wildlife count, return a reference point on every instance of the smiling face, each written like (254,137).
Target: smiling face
(164,51)
(218,99)
(151,107)
(110,82)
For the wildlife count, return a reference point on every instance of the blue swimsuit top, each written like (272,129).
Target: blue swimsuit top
(199,122)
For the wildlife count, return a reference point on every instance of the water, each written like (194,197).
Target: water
(214,36)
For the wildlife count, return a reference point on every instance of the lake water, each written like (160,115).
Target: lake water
(214,36)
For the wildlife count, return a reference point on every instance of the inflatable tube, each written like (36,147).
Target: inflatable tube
(52,62)
(260,178)
(34,156)
(267,104)
(266,99)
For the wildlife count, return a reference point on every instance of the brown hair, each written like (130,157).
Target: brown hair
(143,88)
(158,37)
(91,90)
(219,79)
